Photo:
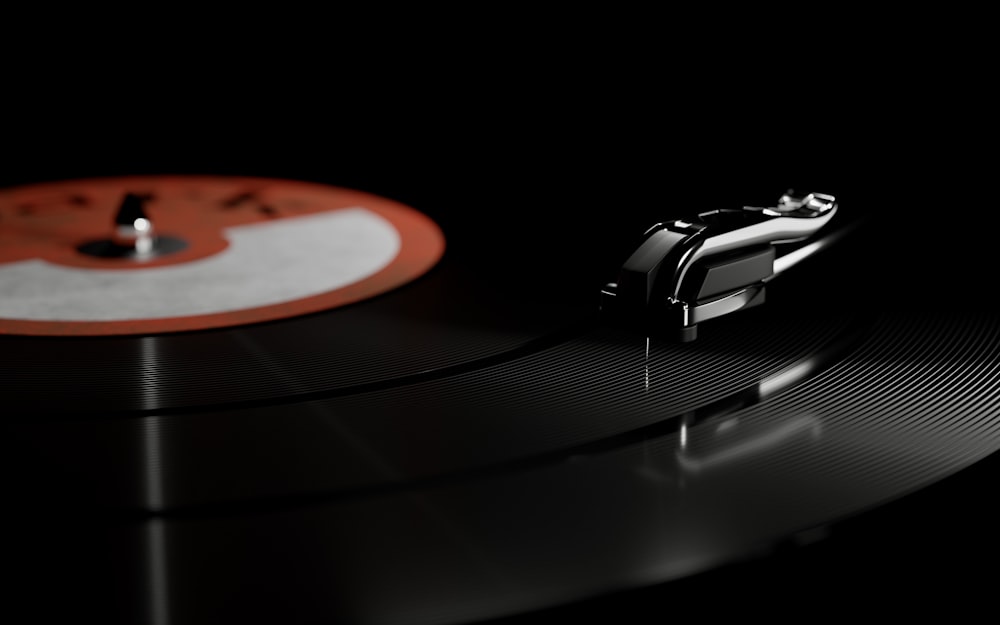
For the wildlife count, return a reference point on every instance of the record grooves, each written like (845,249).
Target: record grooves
(793,373)
(528,347)
(605,371)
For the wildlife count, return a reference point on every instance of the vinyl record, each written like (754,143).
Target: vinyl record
(476,440)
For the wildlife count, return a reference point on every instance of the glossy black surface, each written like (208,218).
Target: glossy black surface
(479,487)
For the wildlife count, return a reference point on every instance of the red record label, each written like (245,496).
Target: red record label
(241,250)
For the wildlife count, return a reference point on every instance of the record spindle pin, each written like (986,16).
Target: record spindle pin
(134,235)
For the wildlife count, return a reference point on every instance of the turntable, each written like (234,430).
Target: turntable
(332,396)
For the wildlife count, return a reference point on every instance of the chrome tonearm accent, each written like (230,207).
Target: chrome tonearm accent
(691,270)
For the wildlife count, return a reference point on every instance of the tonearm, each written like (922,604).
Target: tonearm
(687,271)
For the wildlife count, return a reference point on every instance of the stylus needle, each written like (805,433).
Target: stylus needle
(646,366)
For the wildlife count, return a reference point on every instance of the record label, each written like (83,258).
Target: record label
(221,252)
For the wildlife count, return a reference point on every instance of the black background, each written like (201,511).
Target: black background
(575,130)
